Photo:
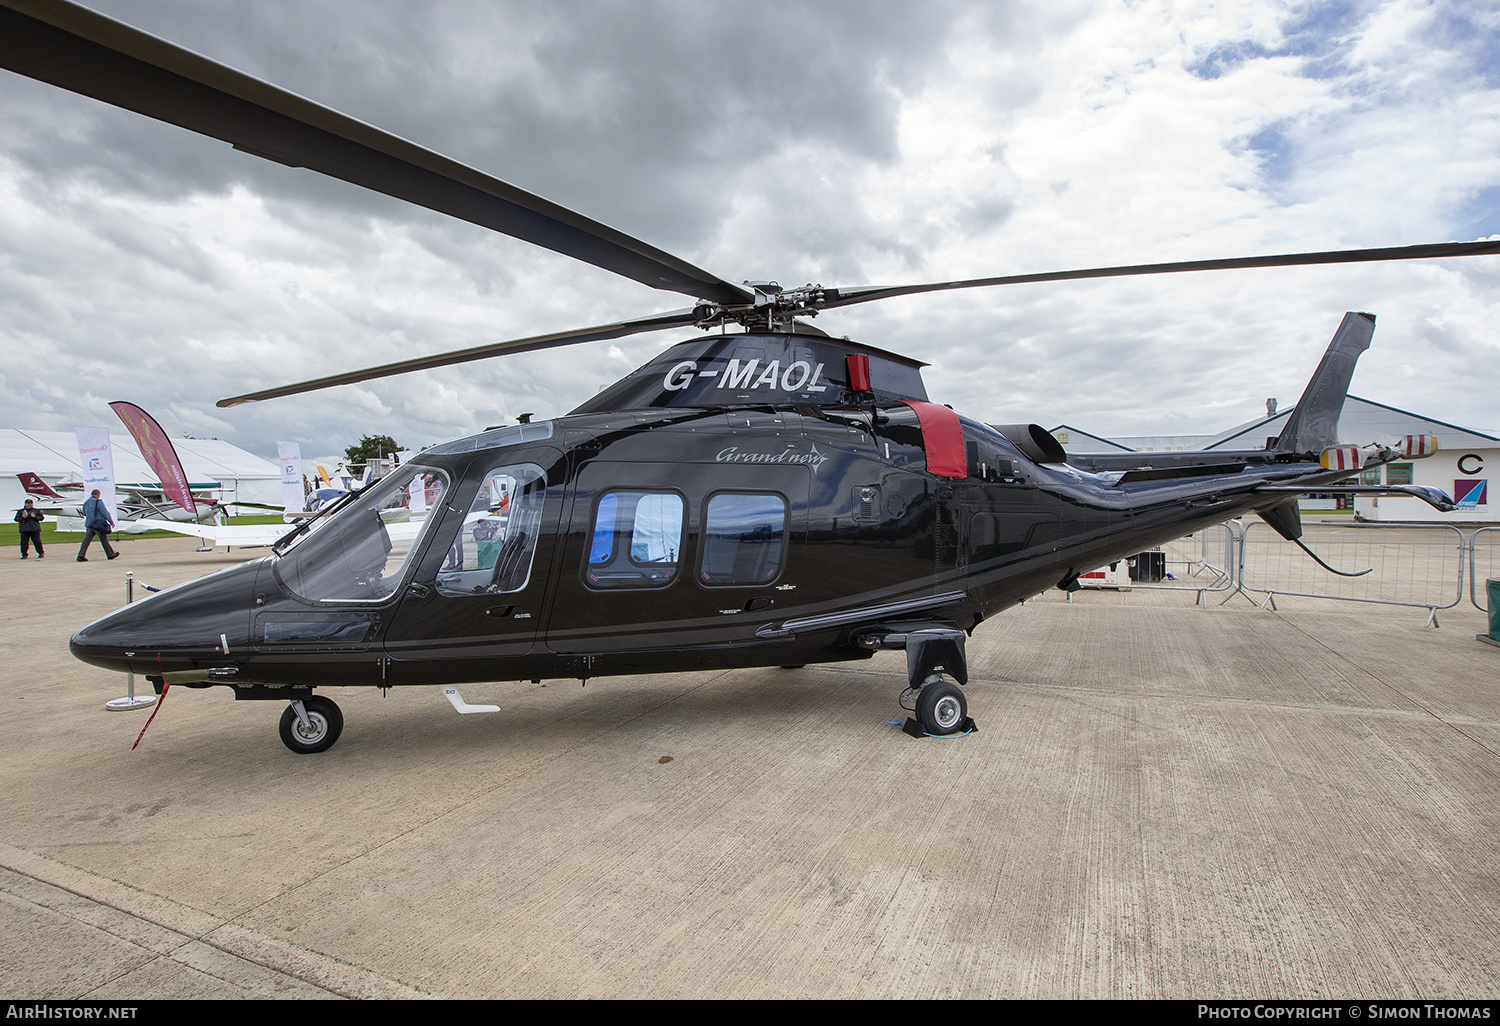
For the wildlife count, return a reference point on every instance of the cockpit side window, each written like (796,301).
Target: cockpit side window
(493,551)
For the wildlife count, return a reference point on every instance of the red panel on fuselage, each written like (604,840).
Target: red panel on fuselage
(942,438)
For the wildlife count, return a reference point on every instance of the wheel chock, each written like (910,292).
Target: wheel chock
(912,727)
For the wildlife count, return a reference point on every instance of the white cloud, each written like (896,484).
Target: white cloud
(138,262)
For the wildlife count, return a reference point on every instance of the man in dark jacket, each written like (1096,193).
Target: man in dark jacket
(30,521)
(96,521)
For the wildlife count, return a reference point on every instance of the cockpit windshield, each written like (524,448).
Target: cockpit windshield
(361,553)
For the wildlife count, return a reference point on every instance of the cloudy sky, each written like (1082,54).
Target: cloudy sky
(844,143)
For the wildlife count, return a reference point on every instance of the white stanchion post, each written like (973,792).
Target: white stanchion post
(131,699)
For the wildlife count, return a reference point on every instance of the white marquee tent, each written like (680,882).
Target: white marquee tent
(234,474)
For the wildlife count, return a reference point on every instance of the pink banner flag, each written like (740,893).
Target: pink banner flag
(157,449)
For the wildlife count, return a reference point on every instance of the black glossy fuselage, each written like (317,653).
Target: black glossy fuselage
(872,538)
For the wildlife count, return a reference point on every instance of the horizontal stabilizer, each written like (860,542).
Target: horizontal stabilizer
(1434,497)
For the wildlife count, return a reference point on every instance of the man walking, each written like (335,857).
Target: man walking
(30,521)
(96,521)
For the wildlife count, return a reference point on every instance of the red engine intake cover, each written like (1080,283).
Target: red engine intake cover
(943,438)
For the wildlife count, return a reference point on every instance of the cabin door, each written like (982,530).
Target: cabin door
(668,557)
(476,601)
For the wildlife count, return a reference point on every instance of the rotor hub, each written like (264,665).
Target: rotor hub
(772,308)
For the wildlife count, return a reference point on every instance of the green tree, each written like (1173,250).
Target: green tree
(370,447)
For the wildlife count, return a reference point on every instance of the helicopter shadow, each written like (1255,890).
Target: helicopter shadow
(665,708)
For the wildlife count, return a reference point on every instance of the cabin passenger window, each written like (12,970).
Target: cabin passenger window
(743,539)
(494,548)
(636,540)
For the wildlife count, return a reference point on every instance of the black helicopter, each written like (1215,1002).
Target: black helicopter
(767,497)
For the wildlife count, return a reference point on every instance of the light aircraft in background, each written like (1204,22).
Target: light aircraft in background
(249,536)
(135,501)
(407,519)
(323,496)
(244,536)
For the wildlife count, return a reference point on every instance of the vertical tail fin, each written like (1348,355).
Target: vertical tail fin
(34,485)
(1314,424)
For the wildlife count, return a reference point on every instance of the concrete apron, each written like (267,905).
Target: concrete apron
(1162,801)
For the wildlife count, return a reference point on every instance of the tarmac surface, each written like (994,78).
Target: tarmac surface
(1162,800)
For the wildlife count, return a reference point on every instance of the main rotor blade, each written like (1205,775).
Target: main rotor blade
(671,319)
(76,49)
(847,297)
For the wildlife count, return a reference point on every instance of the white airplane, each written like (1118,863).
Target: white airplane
(245,536)
(401,525)
(135,501)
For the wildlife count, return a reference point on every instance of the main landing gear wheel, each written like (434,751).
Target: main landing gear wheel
(324,725)
(941,707)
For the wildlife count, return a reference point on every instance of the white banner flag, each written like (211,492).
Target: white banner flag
(293,497)
(98,466)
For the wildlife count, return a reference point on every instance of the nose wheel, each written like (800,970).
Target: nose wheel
(311,725)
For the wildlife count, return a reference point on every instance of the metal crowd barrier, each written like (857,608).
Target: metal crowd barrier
(1484,563)
(1203,562)
(1419,565)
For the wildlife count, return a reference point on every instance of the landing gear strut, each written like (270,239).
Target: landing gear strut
(933,656)
(311,725)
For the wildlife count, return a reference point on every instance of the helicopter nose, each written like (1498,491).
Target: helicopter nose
(112,640)
(180,628)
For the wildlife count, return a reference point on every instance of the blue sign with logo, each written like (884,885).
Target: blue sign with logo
(1471,494)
